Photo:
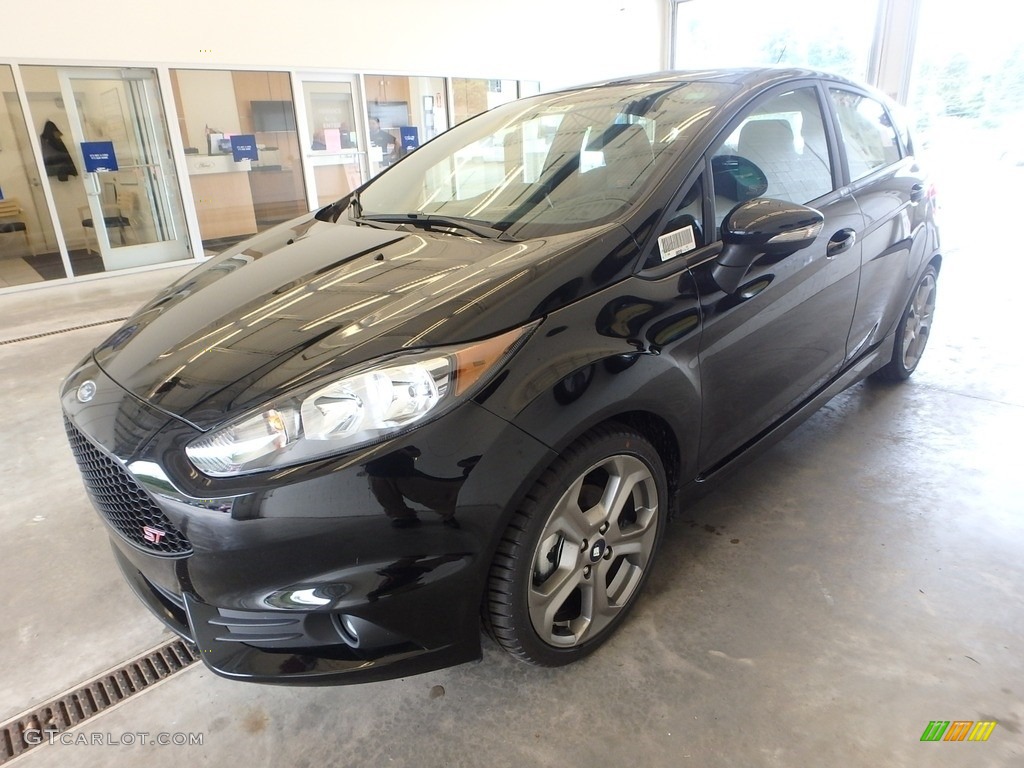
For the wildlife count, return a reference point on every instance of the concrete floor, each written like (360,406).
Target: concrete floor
(862,578)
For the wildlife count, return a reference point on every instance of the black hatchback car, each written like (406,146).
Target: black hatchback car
(472,392)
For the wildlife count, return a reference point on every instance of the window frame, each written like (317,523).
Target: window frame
(901,124)
(712,247)
(903,151)
(827,120)
(658,268)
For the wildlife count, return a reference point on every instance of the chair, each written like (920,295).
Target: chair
(793,176)
(12,219)
(115,215)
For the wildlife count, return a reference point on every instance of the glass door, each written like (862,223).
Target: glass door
(404,112)
(334,151)
(28,242)
(134,215)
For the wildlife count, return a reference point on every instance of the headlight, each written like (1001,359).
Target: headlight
(362,407)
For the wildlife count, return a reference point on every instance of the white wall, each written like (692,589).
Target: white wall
(558,42)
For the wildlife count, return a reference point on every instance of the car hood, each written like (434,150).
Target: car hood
(310,298)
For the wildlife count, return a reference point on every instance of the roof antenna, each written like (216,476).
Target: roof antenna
(782,53)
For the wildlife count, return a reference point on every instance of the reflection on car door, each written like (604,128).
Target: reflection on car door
(784,333)
(886,188)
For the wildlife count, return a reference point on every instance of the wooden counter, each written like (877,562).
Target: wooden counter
(223,198)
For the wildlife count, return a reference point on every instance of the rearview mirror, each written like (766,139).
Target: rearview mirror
(762,227)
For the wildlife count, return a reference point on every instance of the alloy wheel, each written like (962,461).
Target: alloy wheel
(594,551)
(919,322)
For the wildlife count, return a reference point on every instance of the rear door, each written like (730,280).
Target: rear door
(888,185)
(765,348)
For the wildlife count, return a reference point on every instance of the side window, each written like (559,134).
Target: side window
(683,231)
(868,133)
(900,123)
(780,150)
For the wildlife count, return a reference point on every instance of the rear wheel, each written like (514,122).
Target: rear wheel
(913,331)
(576,554)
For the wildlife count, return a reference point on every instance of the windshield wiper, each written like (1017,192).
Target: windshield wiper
(434,221)
(334,210)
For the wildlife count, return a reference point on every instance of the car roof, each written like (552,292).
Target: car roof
(748,81)
(744,77)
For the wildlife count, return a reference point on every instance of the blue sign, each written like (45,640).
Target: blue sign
(410,137)
(99,156)
(243,147)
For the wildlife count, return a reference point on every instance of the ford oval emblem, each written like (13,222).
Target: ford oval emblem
(86,391)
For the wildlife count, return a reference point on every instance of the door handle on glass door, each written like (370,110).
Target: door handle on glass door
(92,184)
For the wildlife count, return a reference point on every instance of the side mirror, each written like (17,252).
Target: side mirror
(762,227)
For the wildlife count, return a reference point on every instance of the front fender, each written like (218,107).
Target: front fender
(629,350)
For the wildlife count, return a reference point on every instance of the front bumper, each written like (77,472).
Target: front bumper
(368,567)
(226,640)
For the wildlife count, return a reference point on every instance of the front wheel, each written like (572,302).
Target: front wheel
(914,330)
(576,554)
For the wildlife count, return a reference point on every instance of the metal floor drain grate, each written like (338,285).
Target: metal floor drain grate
(74,707)
(62,330)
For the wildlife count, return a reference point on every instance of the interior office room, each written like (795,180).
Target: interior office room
(834,601)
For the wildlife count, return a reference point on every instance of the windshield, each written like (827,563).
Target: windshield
(547,164)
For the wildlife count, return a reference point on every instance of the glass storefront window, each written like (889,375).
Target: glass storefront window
(28,245)
(791,33)
(404,112)
(241,151)
(89,182)
(967,91)
(473,95)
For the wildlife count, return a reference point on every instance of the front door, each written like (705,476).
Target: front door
(782,335)
(134,215)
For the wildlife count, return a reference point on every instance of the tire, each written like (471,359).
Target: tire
(913,331)
(576,554)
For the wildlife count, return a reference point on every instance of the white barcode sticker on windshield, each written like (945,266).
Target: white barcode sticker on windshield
(675,243)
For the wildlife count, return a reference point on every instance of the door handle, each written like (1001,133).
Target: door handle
(92,184)
(841,241)
(917,193)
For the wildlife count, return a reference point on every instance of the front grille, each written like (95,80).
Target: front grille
(124,502)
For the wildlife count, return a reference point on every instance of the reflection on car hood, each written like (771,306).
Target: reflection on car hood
(310,298)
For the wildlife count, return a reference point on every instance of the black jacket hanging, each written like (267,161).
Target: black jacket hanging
(56,157)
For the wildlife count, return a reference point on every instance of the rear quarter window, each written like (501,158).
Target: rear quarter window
(901,123)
